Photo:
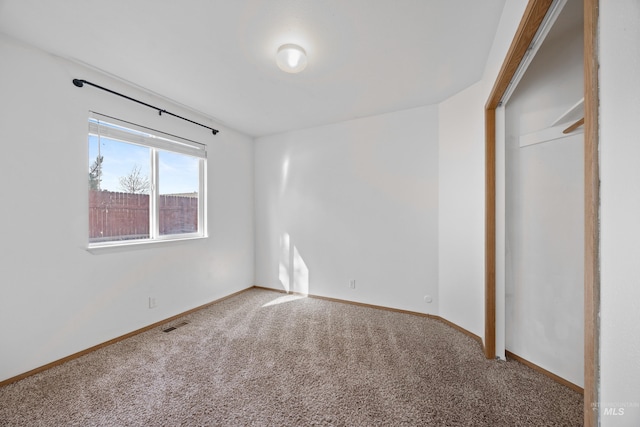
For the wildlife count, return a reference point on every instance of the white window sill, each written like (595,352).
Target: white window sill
(121,246)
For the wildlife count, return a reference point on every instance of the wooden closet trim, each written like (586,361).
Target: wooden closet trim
(532,18)
(591,214)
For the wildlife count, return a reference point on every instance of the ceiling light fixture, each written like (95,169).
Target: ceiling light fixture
(291,58)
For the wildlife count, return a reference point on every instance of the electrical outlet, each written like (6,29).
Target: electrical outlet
(428,299)
(352,284)
(152,302)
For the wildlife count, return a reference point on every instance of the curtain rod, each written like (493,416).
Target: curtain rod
(80,83)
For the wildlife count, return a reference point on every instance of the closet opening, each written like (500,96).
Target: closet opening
(541,184)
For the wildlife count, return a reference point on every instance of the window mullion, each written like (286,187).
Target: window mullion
(154,223)
(202,201)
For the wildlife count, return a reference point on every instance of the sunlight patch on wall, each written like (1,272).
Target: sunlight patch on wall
(285,175)
(293,271)
(283,274)
(300,273)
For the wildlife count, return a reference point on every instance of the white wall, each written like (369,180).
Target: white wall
(545,210)
(57,298)
(356,200)
(619,50)
(507,27)
(461,209)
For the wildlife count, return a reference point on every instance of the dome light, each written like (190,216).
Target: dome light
(291,58)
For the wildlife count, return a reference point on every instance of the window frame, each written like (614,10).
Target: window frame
(104,126)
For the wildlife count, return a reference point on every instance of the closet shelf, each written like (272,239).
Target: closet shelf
(564,126)
(573,114)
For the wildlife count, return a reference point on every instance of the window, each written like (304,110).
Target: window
(144,185)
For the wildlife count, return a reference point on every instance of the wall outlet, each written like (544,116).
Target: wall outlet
(352,284)
(428,299)
(152,302)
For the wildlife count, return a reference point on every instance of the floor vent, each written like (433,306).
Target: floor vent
(172,328)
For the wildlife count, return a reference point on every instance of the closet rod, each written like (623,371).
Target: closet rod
(80,83)
(574,126)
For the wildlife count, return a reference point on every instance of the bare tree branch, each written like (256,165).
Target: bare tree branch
(134,182)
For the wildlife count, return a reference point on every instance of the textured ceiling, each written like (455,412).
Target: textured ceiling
(366,57)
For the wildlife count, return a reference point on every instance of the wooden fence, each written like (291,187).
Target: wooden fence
(125,216)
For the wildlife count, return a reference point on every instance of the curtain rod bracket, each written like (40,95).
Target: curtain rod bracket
(80,83)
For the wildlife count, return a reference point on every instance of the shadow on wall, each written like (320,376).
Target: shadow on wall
(293,273)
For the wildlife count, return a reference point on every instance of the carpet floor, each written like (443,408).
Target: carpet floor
(267,359)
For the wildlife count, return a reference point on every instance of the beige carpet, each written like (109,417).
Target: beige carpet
(268,359)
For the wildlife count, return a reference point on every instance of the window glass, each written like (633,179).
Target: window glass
(178,183)
(118,190)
